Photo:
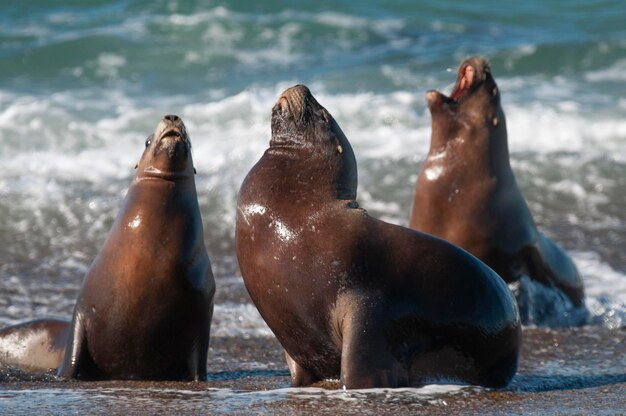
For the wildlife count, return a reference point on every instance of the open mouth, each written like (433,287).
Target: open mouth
(473,75)
(174,133)
(174,141)
(464,82)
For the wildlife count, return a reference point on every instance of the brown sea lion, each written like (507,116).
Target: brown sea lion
(466,192)
(34,346)
(145,307)
(352,297)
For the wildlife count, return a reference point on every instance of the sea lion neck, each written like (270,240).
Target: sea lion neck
(168,152)
(308,139)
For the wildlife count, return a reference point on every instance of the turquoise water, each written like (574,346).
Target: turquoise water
(159,48)
(82,83)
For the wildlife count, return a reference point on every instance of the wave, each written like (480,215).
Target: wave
(68,159)
(72,135)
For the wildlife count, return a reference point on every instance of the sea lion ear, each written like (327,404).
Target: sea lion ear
(338,147)
(194,170)
(137,165)
(487,71)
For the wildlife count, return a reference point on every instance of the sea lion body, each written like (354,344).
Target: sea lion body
(352,297)
(145,307)
(466,192)
(34,346)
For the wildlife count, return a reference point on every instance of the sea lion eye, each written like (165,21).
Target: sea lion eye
(149,140)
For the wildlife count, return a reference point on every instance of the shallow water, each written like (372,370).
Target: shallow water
(569,371)
(84,82)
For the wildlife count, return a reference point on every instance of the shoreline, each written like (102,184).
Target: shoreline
(572,371)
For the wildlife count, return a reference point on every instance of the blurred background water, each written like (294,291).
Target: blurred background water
(82,83)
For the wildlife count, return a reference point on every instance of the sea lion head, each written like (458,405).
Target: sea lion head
(168,151)
(301,125)
(472,111)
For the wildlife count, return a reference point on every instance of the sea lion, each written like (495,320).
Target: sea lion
(34,346)
(466,192)
(144,310)
(352,297)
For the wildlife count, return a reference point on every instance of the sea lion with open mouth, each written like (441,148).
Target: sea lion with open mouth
(352,297)
(466,193)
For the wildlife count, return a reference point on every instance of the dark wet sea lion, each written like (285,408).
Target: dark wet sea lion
(36,346)
(145,307)
(352,297)
(467,194)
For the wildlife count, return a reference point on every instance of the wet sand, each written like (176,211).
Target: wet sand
(562,371)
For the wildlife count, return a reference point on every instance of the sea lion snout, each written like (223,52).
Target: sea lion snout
(172,136)
(172,117)
(473,75)
(294,100)
(171,126)
(434,98)
(472,72)
(168,150)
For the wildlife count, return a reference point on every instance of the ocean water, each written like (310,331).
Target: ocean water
(82,83)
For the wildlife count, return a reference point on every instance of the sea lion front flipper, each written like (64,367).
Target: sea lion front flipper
(366,361)
(76,349)
(300,376)
(560,270)
(198,360)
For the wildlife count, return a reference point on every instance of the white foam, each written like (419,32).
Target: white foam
(601,279)
(387,394)
(50,145)
(543,129)
(214,400)
(195,19)
(614,73)
(109,64)
(346,21)
(236,128)
(605,289)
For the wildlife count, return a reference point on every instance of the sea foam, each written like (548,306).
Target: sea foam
(69,157)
